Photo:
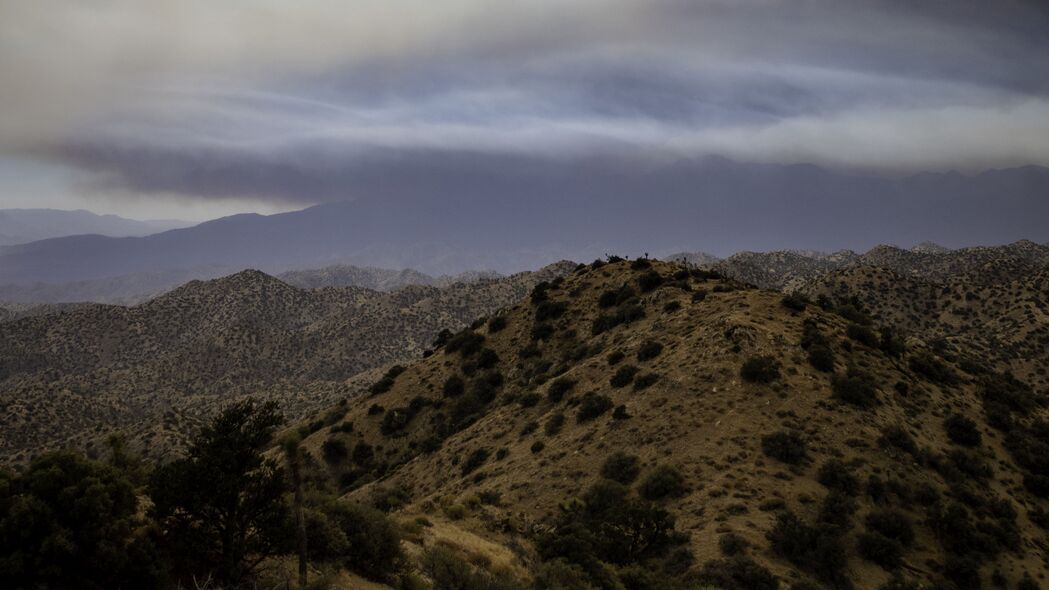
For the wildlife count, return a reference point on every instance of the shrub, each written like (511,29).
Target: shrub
(732,544)
(529,399)
(496,324)
(593,405)
(932,368)
(835,475)
(542,331)
(898,437)
(664,481)
(487,359)
(362,453)
(821,358)
(645,381)
(621,467)
(737,573)
(624,376)
(550,310)
(373,544)
(699,295)
(837,509)
(620,413)
(649,281)
(962,430)
(862,334)
(559,388)
(671,306)
(853,313)
(814,548)
(466,343)
(625,314)
(760,369)
(334,451)
(650,349)
(539,292)
(554,424)
(854,388)
(386,382)
(784,446)
(559,574)
(454,386)
(794,302)
(892,524)
(880,549)
(474,460)
(537,447)
(614,357)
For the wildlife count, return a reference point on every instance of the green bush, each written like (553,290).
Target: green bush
(593,405)
(449,572)
(334,451)
(855,388)
(649,281)
(821,358)
(621,467)
(624,376)
(454,386)
(665,481)
(474,460)
(496,324)
(737,573)
(932,368)
(785,446)
(467,343)
(649,350)
(835,475)
(815,548)
(554,424)
(897,437)
(559,388)
(760,369)
(550,310)
(794,302)
(646,380)
(732,544)
(961,430)
(862,334)
(614,357)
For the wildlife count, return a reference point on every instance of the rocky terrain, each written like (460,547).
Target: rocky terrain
(786,444)
(154,369)
(378,279)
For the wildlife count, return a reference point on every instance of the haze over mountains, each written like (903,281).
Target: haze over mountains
(20,226)
(711,204)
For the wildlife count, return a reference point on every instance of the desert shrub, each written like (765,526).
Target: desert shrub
(648,350)
(893,524)
(614,297)
(496,324)
(879,549)
(699,295)
(897,437)
(334,451)
(794,302)
(1027,583)
(785,446)
(537,447)
(862,334)
(665,481)
(961,430)
(732,544)
(386,382)
(389,498)
(625,314)
(671,306)
(760,369)
(466,343)
(559,388)
(837,509)
(815,548)
(963,570)
(487,359)
(835,475)
(649,281)
(614,357)
(559,574)
(737,573)
(542,331)
(592,405)
(854,313)
(362,453)
(529,400)
(624,376)
(856,388)
(646,380)
(474,460)
(450,572)
(453,386)
(621,467)
(927,365)
(620,413)
(891,343)
(811,334)
(539,292)
(550,310)
(370,542)
(821,358)
(554,424)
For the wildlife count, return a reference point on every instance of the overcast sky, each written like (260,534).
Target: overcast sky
(197,108)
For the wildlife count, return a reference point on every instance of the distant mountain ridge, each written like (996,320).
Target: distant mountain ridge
(20,226)
(718,205)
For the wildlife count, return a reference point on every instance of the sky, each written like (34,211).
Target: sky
(194,109)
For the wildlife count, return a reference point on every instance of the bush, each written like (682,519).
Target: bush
(650,349)
(474,460)
(862,334)
(454,386)
(787,447)
(559,574)
(893,524)
(487,359)
(822,358)
(962,430)
(737,573)
(649,281)
(760,369)
(614,357)
(529,400)
(537,447)
(794,302)
(550,310)
(732,544)
(372,545)
(854,388)
(496,324)
(621,467)
(449,572)
(467,343)
(817,549)
(620,413)
(664,481)
(932,368)
(559,388)
(542,331)
(880,549)
(593,405)
(835,475)
(554,424)
(898,437)
(334,451)
(625,314)
(645,381)
(624,376)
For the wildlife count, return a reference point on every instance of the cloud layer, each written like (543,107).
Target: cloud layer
(319,100)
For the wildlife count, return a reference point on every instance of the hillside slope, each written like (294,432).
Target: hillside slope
(157,368)
(883,455)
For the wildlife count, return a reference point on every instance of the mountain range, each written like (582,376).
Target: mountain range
(686,205)
(20,226)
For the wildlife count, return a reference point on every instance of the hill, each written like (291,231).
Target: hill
(156,368)
(763,443)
